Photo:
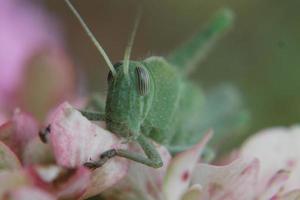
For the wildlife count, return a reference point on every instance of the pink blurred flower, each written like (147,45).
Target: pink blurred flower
(36,75)
(31,47)
(18,131)
(29,193)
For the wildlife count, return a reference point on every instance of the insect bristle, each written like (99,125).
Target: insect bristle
(130,42)
(92,37)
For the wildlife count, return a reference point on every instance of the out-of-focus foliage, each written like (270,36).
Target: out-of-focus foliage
(260,55)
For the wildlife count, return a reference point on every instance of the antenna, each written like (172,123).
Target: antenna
(130,42)
(93,38)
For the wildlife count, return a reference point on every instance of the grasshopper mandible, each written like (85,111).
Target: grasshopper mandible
(152,99)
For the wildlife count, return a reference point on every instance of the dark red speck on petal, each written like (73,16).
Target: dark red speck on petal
(185,176)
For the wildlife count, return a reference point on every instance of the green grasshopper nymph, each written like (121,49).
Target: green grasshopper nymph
(152,99)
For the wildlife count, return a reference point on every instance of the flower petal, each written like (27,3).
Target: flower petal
(6,131)
(75,140)
(293,195)
(76,185)
(104,177)
(275,185)
(231,182)
(26,127)
(8,160)
(29,193)
(141,182)
(3,118)
(193,193)
(180,170)
(277,149)
(64,183)
(10,180)
(19,131)
(28,33)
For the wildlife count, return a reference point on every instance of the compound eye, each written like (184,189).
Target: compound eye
(143,80)
(110,76)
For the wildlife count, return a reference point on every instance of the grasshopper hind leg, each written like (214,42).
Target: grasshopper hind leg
(152,158)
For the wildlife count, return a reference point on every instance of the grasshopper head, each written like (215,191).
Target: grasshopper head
(128,98)
(128,86)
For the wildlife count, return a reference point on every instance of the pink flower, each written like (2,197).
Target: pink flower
(32,156)
(36,75)
(29,193)
(277,149)
(246,177)
(171,182)
(75,140)
(31,53)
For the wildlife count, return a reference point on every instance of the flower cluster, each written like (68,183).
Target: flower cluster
(37,81)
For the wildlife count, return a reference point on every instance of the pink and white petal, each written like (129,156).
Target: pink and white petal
(193,193)
(148,179)
(76,185)
(292,195)
(29,193)
(231,182)
(178,175)
(277,149)
(26,127)
(275,185)
(3,118)
(26,29)
(6,132)
(46,174)
(75,140)
(19,131)
(64,183)
(106,176)
(141,181)
(8,159)
(12,179)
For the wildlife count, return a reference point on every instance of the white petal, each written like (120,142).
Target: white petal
(75,141)
(277,149)
(235,181)
(180,170)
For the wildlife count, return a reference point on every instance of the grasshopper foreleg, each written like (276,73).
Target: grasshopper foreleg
(152,158)
(93,116)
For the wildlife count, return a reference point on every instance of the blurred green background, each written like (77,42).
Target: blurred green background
(260,55)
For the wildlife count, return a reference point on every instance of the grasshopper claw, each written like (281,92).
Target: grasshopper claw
(102,159)
(92,165)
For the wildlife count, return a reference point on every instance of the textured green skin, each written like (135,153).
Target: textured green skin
(171,110)
(172,107)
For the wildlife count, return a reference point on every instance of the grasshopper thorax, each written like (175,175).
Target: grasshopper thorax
(128,98)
